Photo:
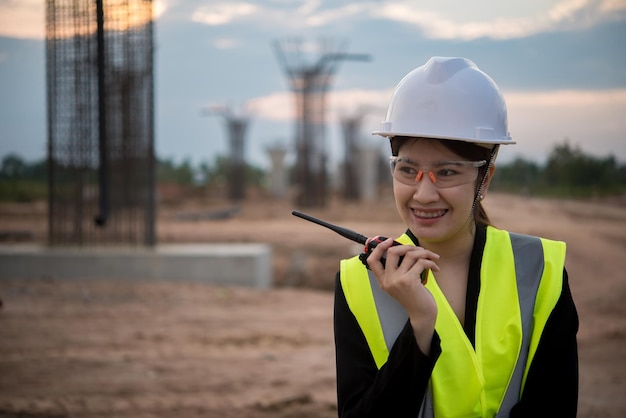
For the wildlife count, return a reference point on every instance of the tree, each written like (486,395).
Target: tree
(518,175)
(168,171)
(13,167)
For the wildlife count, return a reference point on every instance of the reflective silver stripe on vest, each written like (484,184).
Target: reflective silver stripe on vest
(391,314)
(529,264)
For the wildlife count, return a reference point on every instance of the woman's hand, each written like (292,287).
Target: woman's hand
(401,280)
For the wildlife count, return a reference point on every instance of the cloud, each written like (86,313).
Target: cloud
(223,13)
(22,19)
(280,106)
(26,19)
(569,98)
(226,43)
(434,24)
(159,7)
(591,119)
(610,6)
(276,106)
(325,17)
(278,16)
(537,120)
(565,15)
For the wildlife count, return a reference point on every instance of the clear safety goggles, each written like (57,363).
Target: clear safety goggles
(442,173)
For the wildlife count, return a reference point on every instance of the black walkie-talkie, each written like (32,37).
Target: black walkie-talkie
(351,235)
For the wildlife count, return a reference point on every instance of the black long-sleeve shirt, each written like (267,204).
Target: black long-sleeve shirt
(398,388)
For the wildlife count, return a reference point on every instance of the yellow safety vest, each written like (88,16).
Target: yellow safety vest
(521,281)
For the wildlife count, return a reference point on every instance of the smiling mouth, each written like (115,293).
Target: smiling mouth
(430,214)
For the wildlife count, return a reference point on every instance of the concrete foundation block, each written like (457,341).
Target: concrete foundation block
(226,264)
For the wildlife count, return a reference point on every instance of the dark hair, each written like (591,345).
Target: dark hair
(468,151)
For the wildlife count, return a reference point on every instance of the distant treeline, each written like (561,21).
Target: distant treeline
(568,172)
(185,174)
(27,182)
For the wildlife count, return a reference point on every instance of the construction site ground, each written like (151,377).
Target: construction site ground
(138,349)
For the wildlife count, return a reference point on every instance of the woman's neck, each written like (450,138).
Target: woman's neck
(456,249)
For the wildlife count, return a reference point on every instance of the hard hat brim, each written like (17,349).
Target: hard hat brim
(503,141)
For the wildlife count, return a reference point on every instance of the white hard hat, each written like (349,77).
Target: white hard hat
(448,98)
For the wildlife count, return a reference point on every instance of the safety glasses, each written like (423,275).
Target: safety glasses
(442,174)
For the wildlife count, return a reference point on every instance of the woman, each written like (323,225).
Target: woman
(490,330)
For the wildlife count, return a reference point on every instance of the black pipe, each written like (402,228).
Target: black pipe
(101,218)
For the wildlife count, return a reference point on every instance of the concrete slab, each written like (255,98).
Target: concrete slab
(228,264)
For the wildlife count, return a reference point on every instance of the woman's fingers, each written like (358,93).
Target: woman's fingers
(403,277)
(401,258)
(374,259)
(406,257)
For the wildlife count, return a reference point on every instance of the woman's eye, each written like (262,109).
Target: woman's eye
(446,172)
(407,169)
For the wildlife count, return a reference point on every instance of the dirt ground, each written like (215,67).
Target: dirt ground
(99,348)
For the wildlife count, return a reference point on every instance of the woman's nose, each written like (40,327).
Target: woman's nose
(425,188)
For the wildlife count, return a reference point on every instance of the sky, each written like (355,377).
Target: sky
(561,66)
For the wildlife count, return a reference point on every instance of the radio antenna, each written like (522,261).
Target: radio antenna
(344,232)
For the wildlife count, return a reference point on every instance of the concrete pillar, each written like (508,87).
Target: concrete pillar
(278,171)
(368,172)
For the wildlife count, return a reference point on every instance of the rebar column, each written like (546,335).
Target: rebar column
(310,82)
(99,57)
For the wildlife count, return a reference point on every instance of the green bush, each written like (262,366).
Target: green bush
(22,190)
